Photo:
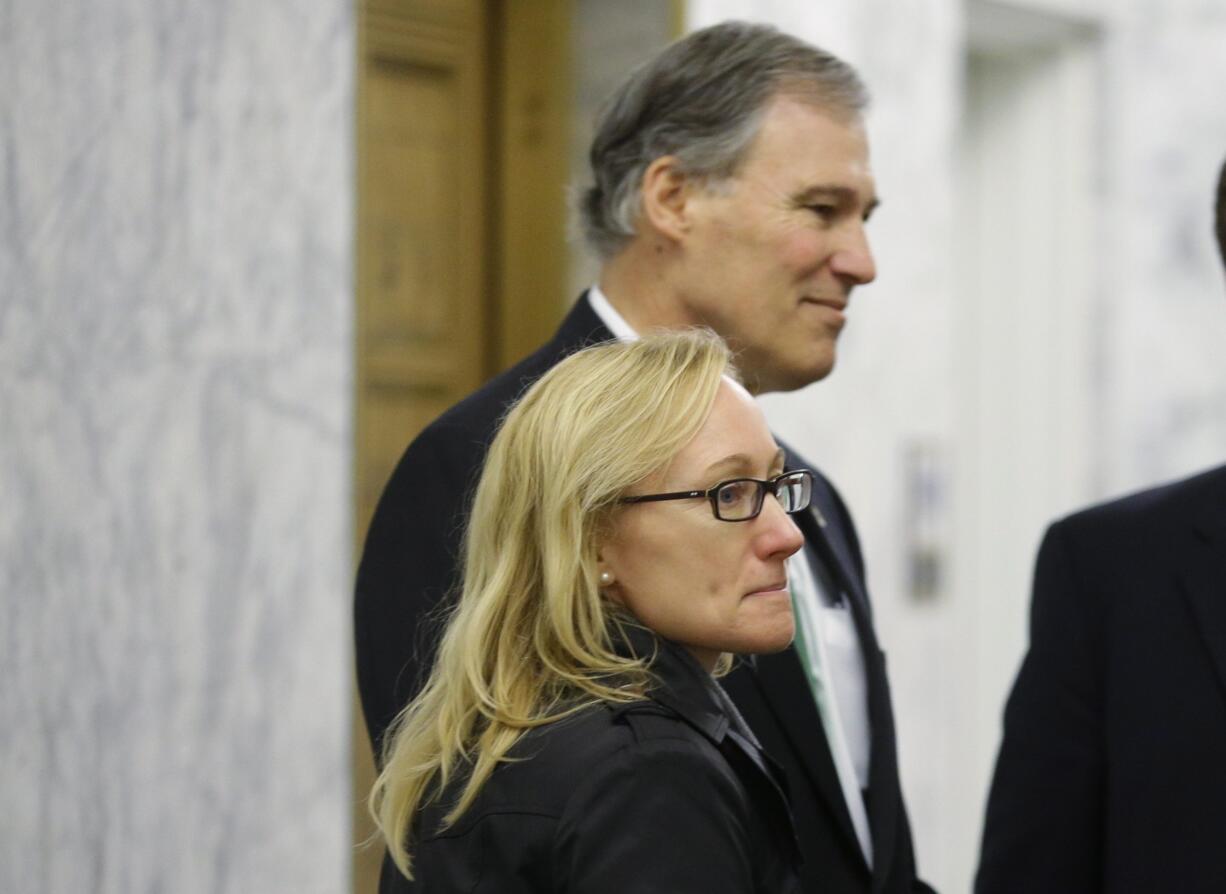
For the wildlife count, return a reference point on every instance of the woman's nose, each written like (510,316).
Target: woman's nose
(779,536)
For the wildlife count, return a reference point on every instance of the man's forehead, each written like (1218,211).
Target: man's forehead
(811,141)
(806,107)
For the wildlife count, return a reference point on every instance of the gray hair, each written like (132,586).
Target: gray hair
(702,100)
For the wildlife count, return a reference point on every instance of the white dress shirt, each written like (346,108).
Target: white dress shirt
(839,663)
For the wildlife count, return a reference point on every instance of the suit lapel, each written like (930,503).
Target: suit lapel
(821,529)
(785,689)
(1202,575)
(834,552)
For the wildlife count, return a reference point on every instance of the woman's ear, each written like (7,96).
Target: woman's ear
(606,578)
(666,191)
(604,570)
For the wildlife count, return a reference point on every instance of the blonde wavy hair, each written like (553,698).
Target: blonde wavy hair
(531,639)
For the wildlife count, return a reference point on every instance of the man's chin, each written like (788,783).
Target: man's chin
(794,380)
(767,375)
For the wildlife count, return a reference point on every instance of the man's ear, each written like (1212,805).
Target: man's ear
(667,191)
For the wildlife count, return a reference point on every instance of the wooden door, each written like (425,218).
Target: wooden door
(422,247)
(461,254)
(423,319)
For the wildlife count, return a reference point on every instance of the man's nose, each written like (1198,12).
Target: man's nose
(853,260)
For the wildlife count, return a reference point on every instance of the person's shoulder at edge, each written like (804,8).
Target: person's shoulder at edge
(1106,549)
(1173,502)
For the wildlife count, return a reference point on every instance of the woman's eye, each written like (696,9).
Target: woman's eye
(733,493)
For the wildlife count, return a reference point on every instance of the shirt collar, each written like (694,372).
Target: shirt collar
(608,314)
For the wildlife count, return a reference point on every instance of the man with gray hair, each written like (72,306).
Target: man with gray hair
(731,185)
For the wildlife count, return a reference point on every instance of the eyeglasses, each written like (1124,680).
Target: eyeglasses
(741,499)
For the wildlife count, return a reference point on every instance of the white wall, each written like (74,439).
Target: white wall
(175,455)
(1153,318)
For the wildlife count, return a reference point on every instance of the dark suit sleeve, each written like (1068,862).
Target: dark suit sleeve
(659,818)
(1043,829)
(408,566)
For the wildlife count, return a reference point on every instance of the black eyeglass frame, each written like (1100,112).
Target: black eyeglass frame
(711,494)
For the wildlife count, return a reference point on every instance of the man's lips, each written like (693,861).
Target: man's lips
(839,304)
(833,311)
(773,587)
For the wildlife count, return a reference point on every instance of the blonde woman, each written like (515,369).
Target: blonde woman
(629,534)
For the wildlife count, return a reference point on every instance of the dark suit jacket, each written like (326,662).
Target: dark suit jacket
(667,795)
(410,563)
(1112,772)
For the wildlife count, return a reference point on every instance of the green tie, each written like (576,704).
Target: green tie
(809,655)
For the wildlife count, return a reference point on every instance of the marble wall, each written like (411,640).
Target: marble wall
(175,456)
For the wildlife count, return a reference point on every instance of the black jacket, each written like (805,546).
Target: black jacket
(410,563)
(668,795)
(1112,772)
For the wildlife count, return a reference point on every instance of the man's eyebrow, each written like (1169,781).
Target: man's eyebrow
(843,194)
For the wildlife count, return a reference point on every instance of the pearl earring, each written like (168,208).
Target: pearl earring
(606,578)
